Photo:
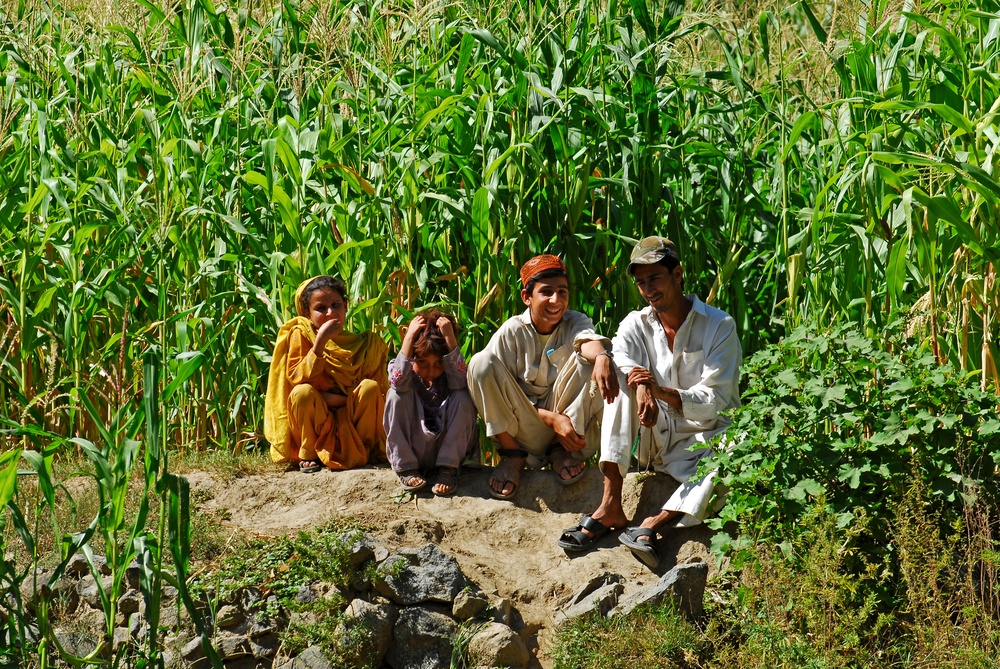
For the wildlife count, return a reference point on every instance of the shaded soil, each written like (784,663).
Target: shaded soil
(507,547)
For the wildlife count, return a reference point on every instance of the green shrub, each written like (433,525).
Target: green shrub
(839,417)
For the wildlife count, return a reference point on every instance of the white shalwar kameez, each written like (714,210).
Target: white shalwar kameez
(704,368)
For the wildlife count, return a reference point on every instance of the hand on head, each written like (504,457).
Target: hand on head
(416,325)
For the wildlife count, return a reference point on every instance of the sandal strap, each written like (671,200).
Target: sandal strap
(592,525)
(512,453)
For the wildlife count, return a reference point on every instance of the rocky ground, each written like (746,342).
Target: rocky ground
(507,548)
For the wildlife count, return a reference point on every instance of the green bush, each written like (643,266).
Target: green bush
(840,417)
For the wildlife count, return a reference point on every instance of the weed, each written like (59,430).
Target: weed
(657,637)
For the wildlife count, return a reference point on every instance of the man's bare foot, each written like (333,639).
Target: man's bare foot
(565,466)
(612,518)
(506,477)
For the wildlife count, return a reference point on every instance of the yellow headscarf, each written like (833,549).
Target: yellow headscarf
(350,358)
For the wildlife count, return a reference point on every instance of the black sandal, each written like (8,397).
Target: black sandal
(640,540)
(575,540)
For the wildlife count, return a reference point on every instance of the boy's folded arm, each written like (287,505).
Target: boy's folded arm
(401,373)
(455,369)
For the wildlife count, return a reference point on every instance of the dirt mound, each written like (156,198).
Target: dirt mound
(506,546)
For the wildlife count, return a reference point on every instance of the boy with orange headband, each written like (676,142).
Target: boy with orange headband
(326,390)
(532,382)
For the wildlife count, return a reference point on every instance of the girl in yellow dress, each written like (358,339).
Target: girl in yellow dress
(326,390)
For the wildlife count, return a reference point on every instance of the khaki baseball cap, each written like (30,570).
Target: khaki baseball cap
(652,250)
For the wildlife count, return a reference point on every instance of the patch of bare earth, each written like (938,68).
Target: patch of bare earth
(507,547)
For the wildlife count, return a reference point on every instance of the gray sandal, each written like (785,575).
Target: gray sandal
(448,477)
(406,477)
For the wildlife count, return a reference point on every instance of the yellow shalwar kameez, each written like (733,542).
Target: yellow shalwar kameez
(297,421)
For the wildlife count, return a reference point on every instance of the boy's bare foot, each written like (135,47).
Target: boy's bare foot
(506,477)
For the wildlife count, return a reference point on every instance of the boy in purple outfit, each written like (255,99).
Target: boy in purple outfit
(430,420)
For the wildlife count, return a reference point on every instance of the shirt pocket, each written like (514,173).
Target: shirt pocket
(558,357)
(690,368)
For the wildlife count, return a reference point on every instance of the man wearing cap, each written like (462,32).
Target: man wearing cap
(680,360)
(532,382)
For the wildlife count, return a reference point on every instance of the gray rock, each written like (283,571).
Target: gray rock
(421,639)
(265,646)
(129,603)
(169,618)
(77,567)
(311,658)
(413,576)
(35,586)
(64,596)
(132,574)
(502,611)
(366,630)
(137,626)
(362,547)
(497,645)
(381,553)
(228,616)
(469,604)
(312,592)
(168,593)
(248,598)
(600,594)
(259,624)
(121,638)
(101,563)
(192,651)
(75,642)
(230,646)
(684,585)
(303,618)
(88,591)
(246,662)
(306,595)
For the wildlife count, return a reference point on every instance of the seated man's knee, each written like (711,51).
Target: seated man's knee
(481,365)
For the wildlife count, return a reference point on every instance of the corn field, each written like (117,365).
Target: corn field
(171,170)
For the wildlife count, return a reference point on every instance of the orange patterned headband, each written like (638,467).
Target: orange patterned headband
(539,264)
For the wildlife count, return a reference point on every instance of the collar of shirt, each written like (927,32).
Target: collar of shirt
(697,307)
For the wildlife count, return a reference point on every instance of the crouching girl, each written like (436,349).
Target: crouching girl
(430,420)
(326,390)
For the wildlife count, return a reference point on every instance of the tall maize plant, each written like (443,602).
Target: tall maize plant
(170,171)
(813,162)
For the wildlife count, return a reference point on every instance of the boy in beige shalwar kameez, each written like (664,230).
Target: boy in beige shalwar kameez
(532,384)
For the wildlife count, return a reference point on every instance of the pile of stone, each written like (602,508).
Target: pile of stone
(683,586)
(408,612)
